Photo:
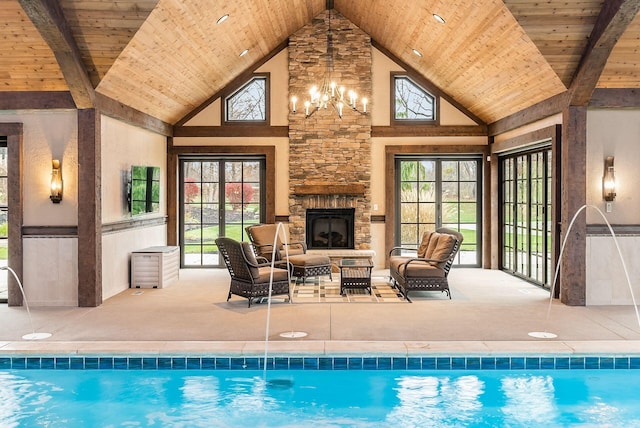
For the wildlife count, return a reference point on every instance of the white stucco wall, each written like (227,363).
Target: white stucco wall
(125,145)
(50,264)
(613,133)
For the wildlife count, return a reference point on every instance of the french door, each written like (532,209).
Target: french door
(219,196)
(526,181)
(434,192)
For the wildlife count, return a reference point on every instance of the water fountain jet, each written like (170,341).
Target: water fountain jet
(33,335)
(546,335)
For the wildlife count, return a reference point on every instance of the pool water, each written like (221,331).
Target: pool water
(298,398)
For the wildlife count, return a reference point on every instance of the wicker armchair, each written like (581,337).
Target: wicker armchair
(303,265)
(428,271)
(249,278)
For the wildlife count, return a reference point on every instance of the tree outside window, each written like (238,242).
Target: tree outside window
(411,101)
(249,103)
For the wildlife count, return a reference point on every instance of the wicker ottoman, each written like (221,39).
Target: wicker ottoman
(307,265)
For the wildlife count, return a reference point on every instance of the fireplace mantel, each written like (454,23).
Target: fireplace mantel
(357,189)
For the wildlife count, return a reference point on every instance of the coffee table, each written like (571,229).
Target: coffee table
(355,273)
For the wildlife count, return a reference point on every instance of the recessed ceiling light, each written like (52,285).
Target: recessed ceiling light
(222,18)
(244,52)
(417,52)
(438,18)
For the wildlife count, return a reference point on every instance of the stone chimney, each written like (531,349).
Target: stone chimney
(329,156)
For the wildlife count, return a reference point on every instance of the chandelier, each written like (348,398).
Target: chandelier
(328,92)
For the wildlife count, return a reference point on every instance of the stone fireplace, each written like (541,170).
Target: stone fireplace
(329,156)
(329,228)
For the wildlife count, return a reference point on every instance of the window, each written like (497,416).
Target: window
(220,196)
(434,192)
(526,182)
(249,103)
(412,102)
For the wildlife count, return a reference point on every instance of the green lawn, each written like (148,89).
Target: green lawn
(208,235)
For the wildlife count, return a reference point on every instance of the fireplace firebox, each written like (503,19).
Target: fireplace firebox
(330,228)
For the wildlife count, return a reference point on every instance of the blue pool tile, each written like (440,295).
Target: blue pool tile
(592,363)
(270,363)
(443,363)
(296,363)
(105,363)
(5,363)
(399,363)
(164,363)
(282,363)
(237,363)
(91,363)
(179,363)
(62,363)
(252,364)
(223,363)
(634,363)
(149,363)
(622,363)
(384,363)
(310,363)
(547,363)
(473,363)
(503,363)
(120,363)
(325,363)
(76,363)
(33,363)
(562,363)
(135,363)
(428,363)
(532,363)
(18,363)
(576,363)
(370,363)
(209,363)
(488,363)
(340,363)
(458,363)
(355,363)
(193,363)
(414,363)
(517,363)
(606,362)
(47,363)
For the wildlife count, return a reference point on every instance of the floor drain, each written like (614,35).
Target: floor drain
(293,334)
(542,335)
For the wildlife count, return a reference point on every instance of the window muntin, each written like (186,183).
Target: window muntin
(249,103)
(411,102)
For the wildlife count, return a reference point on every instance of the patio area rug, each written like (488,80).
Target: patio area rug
(325,291)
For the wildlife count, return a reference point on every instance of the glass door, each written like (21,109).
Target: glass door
(219,197)
(434,192)
(526,215)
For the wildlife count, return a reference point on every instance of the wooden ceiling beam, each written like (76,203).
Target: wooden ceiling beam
(48,18)
(614,18)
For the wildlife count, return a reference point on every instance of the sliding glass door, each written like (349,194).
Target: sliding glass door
(219,196)
(527,215)
(434,192)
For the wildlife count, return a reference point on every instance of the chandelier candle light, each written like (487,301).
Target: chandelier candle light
(329,92)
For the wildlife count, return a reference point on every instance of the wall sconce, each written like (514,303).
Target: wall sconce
(609,180)
(56,182)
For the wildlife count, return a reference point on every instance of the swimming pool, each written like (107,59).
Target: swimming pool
(325,392)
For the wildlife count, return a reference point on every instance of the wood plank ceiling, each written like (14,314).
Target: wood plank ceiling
(166,57)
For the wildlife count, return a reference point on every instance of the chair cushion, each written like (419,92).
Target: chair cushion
(265,275)
(440,246)
(304,260)
(424,244)
(416,268)
(251,258)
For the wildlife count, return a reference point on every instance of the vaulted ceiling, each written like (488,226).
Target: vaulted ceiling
(166,57)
